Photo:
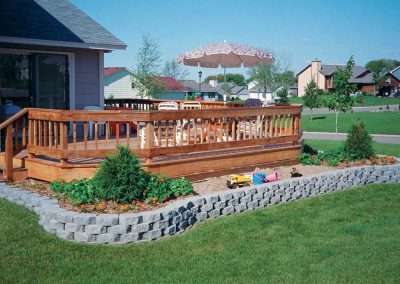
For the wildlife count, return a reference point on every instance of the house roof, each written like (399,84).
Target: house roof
(111,70)
(239,90)
(257,88)
(396,72)
(52,23)
(193,86)
(171,84)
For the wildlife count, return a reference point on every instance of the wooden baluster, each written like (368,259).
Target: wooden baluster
(167,133)
(286,124)
(234,130)
(276,128)
(215,130)
(56,134)
(149,142)
(50,134)
(181,131)
(281,118)
(40,133)
(96,135)
(23,132)
(128,133)
(195,130)
(30,137)
(16,130)
(85,135)
(174,132)
(271,126)
(159,133)
(117,132)
(201,131)
(245,128)
(266,126)
(74,134)
(9,154)
(226,129)
(208,130)
(35,132)
(107,132)
(299,122)
(45,133)
(64,142)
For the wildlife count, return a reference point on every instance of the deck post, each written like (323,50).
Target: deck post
(64,143)
(149,142)
(31,136)
(9,154)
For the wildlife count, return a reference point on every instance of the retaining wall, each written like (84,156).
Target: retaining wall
(182,214)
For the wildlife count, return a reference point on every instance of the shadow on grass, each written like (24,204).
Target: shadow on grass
(318,118)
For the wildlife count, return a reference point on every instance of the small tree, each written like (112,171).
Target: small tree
(266,75)
(174,70)
(340,100)
(148,67)
(358,143)
(310,98)
(282,95)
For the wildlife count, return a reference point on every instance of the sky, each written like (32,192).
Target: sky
(330,31)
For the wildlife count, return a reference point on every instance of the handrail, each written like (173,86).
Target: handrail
(13,118)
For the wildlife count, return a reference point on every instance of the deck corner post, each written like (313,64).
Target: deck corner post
(64,142)
(9,154)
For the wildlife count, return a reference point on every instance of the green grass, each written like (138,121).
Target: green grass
(376,122)
(380,148)
(368,101)
(350,236)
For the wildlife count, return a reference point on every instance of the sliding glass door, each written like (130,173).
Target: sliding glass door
(52,81)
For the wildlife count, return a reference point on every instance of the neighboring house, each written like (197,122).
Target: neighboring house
(293,91)
(390,84)
(172,89)
(323,75)
(396,72)
(208,92)
(51,55)
(240,92)
(256,91)
(119,83)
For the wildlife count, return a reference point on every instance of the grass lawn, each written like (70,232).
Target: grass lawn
(376,122)
(350,236)
(380,148)
(368,101)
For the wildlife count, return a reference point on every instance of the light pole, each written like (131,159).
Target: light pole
(200,73)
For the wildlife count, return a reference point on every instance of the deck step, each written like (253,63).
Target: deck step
(18,174)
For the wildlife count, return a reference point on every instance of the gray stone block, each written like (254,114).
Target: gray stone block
(286,197)
(162,224)
(233,202)
(183,225)
(113,219)
(66,216)
(84,237)
(289,190)
(95,229)
(296,195)
(238,193)
(220,205)
(171,230)
(263,202)
(250,191)
(383,178)
(117,229)
(140,228)
(252,205)
(201,216)
(65,235)
(268,194)
(240,207)
(279,192)
(72,227)
(85,219)
(258,196)
(376,173)
(150,217)
(225,196)
(49,230)
(129,238)
(275,199)
(214,213)
(261,189)
(54,224)
(245,199)
(228,210)
(206,207)
(212,199)
(106,238)
(177,219)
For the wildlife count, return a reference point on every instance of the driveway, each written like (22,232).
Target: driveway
(379,138)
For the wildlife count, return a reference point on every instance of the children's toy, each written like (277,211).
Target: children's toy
(295,173)
(236,181)
(272,177)
(258,177)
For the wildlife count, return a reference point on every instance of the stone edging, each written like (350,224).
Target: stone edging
(180,215)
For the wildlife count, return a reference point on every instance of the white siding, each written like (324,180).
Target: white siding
(256,95)
(121,89)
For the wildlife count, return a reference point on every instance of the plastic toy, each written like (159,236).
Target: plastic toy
(295,173)
(272,177)
(236,181)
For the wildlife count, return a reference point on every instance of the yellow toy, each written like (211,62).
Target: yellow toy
(236,181)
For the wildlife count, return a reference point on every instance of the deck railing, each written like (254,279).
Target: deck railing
(147,104)
(67,135)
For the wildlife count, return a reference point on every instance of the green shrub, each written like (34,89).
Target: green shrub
(158,188)
(79,191)
(121,177)
(307,159)
(181,186)
(282,95)
(358,144)
(309,150)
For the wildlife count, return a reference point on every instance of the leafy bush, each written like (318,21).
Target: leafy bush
(181,186)
(282,95)
(358,144)
(79,191)
(307,159)
(121,177)
(158,189)
(309,150)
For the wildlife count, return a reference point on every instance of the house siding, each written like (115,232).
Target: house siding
(120,87)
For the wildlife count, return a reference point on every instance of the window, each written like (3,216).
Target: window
(211,95)
(133,85)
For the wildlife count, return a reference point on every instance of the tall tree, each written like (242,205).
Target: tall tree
(266,75)
(340,100)
(148,60)
(310,98)
(380,67)
(173,69)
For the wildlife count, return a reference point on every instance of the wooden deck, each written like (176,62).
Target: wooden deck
(53,144)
